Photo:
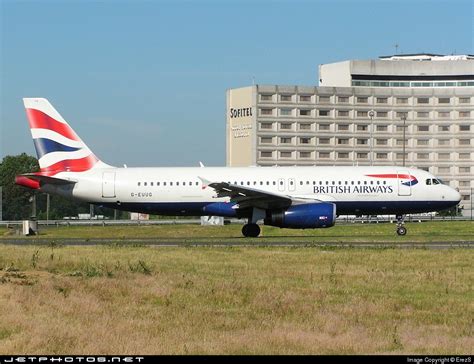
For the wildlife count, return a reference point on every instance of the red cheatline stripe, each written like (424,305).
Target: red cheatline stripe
(406,176)
(40,120)
(70,165)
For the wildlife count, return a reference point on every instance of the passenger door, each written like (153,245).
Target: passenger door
(404,183)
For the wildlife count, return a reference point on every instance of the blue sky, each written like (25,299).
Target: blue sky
(143,82)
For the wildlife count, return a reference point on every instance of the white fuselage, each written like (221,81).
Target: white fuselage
(181,191)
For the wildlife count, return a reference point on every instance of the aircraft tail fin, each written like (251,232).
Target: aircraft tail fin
(58,147)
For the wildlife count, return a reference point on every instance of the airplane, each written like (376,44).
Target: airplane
(286,197)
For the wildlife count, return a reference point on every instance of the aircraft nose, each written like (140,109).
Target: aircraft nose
(454,195)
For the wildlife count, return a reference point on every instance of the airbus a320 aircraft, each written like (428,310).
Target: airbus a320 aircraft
(287,197)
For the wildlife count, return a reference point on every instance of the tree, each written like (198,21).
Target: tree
(16,205)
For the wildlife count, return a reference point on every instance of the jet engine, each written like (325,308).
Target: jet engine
(303,216)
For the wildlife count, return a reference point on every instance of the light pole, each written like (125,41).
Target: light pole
(404,118)
(371,116)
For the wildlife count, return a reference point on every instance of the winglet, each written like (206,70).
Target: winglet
(201,165)
(205,182)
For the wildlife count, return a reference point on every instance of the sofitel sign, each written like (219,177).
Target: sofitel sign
(241,112)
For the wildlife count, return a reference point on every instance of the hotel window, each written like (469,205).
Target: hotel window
(464,169)
(444,142)
(422,155)
(305,112)
(343,113)
(362,127)
(362,155)
(323,112)
(444,100)
(324,99)
(285,97)
(381,141)
(423,100)
(382,127)
(305,140)
(285,126)
(401,114)
(285,154)
(285,112)
(464,183)
(266,125)
(422,142)
(324,140)
(305,126)
(443,114)
(382,100)
(323,126)
(305,154)
(343,127)
(266,140)
(266,111)
(465,197)
(464,127)
(362,141)
(464,114)
(400,155)
(362,100)
(464,155)
(464,100)
(343,99)
(422,114)
(382,155)
(382,114)
(265,154)
(422,128)
(402,100)
(444,156)
(343,155)
(266,97)
(399,142)
(324,154)
(285,140)
(443,127)
(305,98)
(464,141)
(342,141)
(443,169)
(362,114)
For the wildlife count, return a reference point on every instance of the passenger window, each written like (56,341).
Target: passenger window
(164,183)
(139,183)
(144,183)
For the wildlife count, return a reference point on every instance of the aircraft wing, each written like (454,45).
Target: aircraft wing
(246,197)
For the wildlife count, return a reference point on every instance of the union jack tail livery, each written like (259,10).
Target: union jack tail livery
(58,147)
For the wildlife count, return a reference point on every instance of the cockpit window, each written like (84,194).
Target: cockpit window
(428,181)
(435,181)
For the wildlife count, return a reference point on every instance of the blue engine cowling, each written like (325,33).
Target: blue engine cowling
(304,216)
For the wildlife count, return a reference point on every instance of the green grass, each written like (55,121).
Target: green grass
(447,231)
(146,300)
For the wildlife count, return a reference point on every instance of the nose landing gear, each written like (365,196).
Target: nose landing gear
(401,229)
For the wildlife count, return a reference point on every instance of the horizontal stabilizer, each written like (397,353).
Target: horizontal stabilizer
(48,179)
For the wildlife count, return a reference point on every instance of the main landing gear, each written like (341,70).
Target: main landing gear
(251,230)
(401,229)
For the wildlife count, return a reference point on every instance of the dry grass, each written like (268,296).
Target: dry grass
(143,300)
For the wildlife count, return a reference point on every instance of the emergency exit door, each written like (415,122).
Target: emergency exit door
(108,184)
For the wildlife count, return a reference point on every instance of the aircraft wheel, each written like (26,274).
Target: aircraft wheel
(251,230)
(401,230)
